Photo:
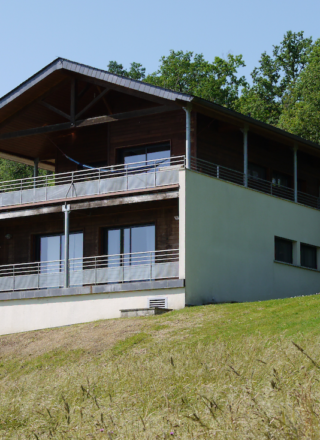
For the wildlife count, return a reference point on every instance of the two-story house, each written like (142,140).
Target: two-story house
(151,198)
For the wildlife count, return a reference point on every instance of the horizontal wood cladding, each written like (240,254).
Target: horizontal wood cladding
(219,143)
(102,143)
(222,144)
(20,248)
(153,129)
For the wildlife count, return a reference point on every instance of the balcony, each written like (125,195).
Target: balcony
(255,183)
(104,269)
(92,182)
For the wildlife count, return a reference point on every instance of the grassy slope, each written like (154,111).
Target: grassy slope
(222,371)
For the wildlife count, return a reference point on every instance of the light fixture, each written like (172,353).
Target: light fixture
(8,236)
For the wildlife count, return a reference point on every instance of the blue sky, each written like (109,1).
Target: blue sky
(34,32)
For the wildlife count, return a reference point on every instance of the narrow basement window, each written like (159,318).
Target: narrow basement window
(308,256)
(283,250)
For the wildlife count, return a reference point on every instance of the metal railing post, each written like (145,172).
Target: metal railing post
(127,178)
(218,171)
(21,192)
(45,188)
(13,280)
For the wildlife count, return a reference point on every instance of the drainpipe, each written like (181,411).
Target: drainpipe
(245,155)
(66,210)
(188,136)
(295,172)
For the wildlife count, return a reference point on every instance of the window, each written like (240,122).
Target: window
(148,153)
(51,248)
(257,171)
(280,179)
(308,256)
(283,250)
(128,240)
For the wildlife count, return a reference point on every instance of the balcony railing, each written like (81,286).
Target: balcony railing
(104,269)
(255,183)
(111,179)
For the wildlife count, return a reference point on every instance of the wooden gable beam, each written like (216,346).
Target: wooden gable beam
(93,102)
(86,122)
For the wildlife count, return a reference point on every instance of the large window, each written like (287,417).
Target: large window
(51,248)
(308,256)
(257,171)
(280,179)
(283,250)
(147,153)
(127,240)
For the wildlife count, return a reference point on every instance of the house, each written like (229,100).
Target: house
(151,198)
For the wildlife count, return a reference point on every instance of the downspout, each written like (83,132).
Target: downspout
(66,210)
(188,136)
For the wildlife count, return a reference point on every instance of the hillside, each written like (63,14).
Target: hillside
(227,371)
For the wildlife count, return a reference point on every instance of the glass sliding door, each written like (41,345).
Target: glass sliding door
(147,155)
(129,240)
(136,246)
(51,250)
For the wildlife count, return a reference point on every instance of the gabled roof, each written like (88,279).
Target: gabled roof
(62,66)
(82,69)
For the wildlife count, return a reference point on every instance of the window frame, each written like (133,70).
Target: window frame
(121,153)
(106,229)
(277,239)
(310,246)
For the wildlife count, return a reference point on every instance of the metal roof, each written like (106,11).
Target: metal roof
(103,75)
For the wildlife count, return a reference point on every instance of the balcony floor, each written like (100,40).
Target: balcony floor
(135,286)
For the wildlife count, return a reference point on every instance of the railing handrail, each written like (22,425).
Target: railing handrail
(37,264)
(173,160)
(195,160)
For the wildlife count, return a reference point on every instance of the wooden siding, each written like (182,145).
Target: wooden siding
(102,143)
(222,144)
(20,248)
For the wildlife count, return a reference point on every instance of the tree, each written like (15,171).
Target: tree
(137,71)
(271,80)
(301,108)
(190,73)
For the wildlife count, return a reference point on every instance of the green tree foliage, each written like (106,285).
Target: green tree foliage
(275,74)
(301,109)
(136,71)
(190,73)
(10,170)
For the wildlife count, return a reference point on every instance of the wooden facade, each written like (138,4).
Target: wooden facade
(69,114)
(18,244)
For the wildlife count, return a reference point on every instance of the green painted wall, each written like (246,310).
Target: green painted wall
(229,240)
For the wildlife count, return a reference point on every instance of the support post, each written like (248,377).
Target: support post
(188,136)
(295,172)
(245,155)
(73,102)
(66,210)
(35,170)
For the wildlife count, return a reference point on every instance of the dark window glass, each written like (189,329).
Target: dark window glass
(129,240)
(283,250)
(280,179)
(257,172)
(308,256)
(148,153)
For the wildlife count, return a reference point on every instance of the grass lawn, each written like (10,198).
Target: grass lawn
(229,371)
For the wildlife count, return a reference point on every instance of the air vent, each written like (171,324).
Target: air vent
(158,301)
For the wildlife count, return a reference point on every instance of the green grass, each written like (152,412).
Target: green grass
(228,371)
